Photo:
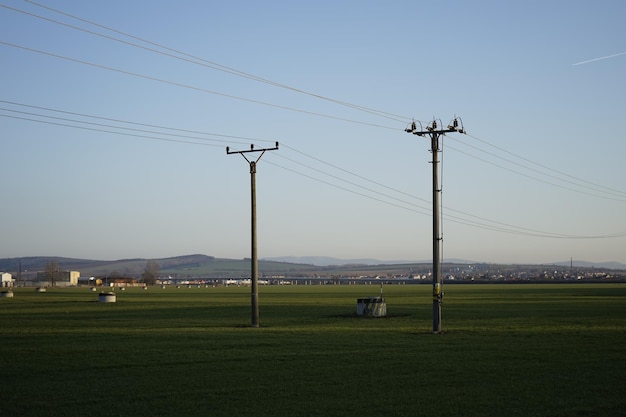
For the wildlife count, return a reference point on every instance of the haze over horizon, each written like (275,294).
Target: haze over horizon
(115,117)
(323,261)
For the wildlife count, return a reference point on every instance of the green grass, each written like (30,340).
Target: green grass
(514,350)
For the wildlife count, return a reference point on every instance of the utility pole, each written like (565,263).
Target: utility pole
(254,267)
(434,135)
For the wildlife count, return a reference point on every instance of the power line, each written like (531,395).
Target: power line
(346,189)
(361,177)
(190,87)
(196,60)
(216,66)
(212,65)
(242,138)
(499,227)
(386,197)
(612,190)
(99,128)
(319,160)
(508,228)
(532,177)
(107,131)
(482,223)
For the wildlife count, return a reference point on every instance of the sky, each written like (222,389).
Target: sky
(115,118)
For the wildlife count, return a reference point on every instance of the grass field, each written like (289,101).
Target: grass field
(507,350)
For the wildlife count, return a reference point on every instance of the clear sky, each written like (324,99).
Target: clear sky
(116,116)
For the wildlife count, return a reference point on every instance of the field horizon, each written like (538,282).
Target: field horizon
(204,265)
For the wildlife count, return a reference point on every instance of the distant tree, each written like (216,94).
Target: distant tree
(53,272)
(151,273)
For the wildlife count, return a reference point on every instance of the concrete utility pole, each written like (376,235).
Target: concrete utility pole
(434,135)
(254,267)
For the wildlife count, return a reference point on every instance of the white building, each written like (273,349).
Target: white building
(7,279)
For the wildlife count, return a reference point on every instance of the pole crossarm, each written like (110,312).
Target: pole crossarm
(252,149)
(432,129)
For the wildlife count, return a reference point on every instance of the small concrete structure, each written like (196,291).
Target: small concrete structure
(107,297)
(6,294)
(371,307)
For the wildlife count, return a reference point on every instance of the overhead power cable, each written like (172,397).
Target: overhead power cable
(108,131)
(213,65)
(611,196)
(190,87)
(235,72)
(244,139)
(177,54)
(167,135)
(514,230)
(507,226)
(499,226)
(608,189)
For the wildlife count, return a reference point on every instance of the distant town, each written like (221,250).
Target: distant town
(206,270)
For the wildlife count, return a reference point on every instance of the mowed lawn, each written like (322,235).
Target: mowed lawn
(507,350)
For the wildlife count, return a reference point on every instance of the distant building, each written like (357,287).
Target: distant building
(92,281)
(7,280)
(64,278)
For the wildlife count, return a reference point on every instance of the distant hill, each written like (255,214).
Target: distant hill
(187,265)
(326,261)
(38,263)
(209,266)
(330,261)
(87,267)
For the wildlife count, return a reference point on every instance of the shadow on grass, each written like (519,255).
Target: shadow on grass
(355,316)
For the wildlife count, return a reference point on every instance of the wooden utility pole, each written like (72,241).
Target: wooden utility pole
(254,267)
(434,135)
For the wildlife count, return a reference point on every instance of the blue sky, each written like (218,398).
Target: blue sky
(539,86)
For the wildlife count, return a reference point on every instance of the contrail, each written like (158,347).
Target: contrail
(599,59)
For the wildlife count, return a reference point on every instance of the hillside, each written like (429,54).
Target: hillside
(188,265)
(208,266)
